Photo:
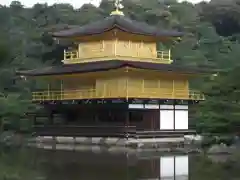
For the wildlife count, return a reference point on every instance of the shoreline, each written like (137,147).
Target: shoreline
(115,145)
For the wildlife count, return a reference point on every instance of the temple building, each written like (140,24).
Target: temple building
(115,81)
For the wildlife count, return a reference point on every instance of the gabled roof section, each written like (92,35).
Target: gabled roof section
(109,65)
(121,22)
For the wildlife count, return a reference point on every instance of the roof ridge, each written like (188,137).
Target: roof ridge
(122,22)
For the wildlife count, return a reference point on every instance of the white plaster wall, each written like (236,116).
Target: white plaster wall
(166,106)
(136,106)
(151,106)
(143,106)
(185,107)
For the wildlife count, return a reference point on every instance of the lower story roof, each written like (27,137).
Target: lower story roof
(111,64)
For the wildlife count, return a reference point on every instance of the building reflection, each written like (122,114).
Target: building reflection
(103,166)
(164,168)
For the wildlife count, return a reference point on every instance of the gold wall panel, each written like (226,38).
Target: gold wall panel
(116,44)
(121,84)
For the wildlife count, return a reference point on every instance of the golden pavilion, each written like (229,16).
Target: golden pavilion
(115,82)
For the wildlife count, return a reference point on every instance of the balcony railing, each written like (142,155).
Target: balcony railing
(64,95)
(71,55)
(93,94)
(166,55)
(74,56)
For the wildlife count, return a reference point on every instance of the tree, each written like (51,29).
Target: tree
(220,112)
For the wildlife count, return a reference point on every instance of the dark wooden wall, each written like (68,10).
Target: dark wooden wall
(83,115)
(148,119)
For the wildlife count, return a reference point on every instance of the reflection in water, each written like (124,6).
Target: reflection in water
(174,167)
(69,165)
(102,166)
(164,168)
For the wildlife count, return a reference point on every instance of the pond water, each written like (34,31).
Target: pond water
(38,164)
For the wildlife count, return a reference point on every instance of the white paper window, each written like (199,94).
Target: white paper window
(166,119)
(181,119)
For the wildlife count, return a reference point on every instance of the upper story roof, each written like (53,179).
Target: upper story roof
(112,64)
(116,21)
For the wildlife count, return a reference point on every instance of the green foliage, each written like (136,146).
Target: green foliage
(211,40)
(220,112)
(13,108)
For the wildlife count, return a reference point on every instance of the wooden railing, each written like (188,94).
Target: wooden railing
(74,56)
(196,95)
(164,55)
(92,94)
(70,55)
(64,95)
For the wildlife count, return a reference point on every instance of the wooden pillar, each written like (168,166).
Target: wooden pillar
(174,117)
(96,119)
(61,89)
(152,120)
(127,124)
(50,118)
(33,119)
(127,119)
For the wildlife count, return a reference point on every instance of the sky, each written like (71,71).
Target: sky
(75,3)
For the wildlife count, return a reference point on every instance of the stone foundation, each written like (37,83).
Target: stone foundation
(176,144)
(109,144)
(107,141)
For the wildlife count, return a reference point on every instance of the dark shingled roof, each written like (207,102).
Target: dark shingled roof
(121,22)
(108,65)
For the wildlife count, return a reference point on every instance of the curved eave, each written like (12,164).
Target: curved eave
(120,22)
(110,65)
(96,32)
